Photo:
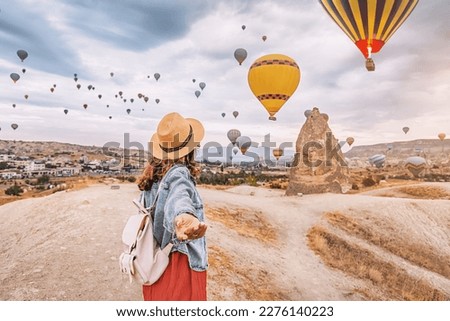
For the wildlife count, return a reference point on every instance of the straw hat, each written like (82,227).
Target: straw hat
(175,137)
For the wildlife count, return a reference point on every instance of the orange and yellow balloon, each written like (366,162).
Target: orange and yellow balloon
(441,136)
(369,23)
(273,79)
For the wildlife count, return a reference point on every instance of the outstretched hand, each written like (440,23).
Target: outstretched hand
(188,227)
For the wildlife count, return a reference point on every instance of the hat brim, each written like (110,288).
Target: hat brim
(198,132)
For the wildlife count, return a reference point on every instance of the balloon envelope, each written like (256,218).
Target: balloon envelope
(157,75)
(235,113)
(377,160)
(202,85)
(405,129)
(264,38)
(415,165)
(244,143)
(273,79)
(441,136)
(14,77)
(240,54)
(197,93)
(223,114)
(307,113)
(277,153)
(66,111)
(369,23)
(233,134)
(14,126)
(350,140)
(22,54)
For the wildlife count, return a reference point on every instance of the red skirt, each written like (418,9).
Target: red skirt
(178,282)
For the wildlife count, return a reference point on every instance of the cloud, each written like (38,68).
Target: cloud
(196,40)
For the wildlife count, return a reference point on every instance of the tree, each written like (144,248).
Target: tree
(3,165)
(14,190)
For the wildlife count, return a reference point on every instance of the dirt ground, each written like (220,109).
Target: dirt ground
(65,246)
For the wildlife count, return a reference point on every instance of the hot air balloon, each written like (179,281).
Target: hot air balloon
(75,75)
(235,150)
(441,136)
(90,87)
(26,96)
(120,93)
(273,79)
(235,113)
(277,153)
(243,27)
(193,80)
(377,160)
(157,100)
(76,79)
(389,147)
(24,70)
(350,141)
(416,165)
(145,98)
(240,54)
(223,114)
(307,113)
(157,76)
(244,143)
(264,38)
(99,96)
(202,85)
(52,89)
(124,100)
(22,54)
(197,93)
(405,129)
(14,105)
(107,106)
(66,111)
(128,111)
(232,135)
(85,106)
(14,77)
(78,86)
(369,23)
(14,126)
(110,117)
(111,74)
(140,95)
(132,100)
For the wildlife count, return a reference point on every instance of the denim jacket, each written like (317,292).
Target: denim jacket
(177,195)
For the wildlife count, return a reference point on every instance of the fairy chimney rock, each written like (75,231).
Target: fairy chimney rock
(319,165)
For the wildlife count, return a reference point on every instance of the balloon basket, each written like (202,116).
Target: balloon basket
(272,118)
(370,64)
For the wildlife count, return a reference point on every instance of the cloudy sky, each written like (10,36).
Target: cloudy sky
(196,39)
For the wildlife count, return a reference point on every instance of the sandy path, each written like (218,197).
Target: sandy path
(65,246)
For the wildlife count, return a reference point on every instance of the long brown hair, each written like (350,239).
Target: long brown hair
(156,169)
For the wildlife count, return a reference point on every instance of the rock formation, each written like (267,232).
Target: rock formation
(319,165)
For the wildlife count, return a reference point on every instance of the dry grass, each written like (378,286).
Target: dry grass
(246,222)
(245,282)
(71,184)
(418,254)
(425,192)
(395,282)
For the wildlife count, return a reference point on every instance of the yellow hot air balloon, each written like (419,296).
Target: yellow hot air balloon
(441,136)
(369,23)
(273,79)
(277,152)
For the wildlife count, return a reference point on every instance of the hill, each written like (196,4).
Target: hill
(385,244)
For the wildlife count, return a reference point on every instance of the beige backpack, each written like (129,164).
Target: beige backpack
(143,259)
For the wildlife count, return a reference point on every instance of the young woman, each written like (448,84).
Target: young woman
(179,216)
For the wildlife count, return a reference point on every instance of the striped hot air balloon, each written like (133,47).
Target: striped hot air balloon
(369,23)
(377,160)
(416,165)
